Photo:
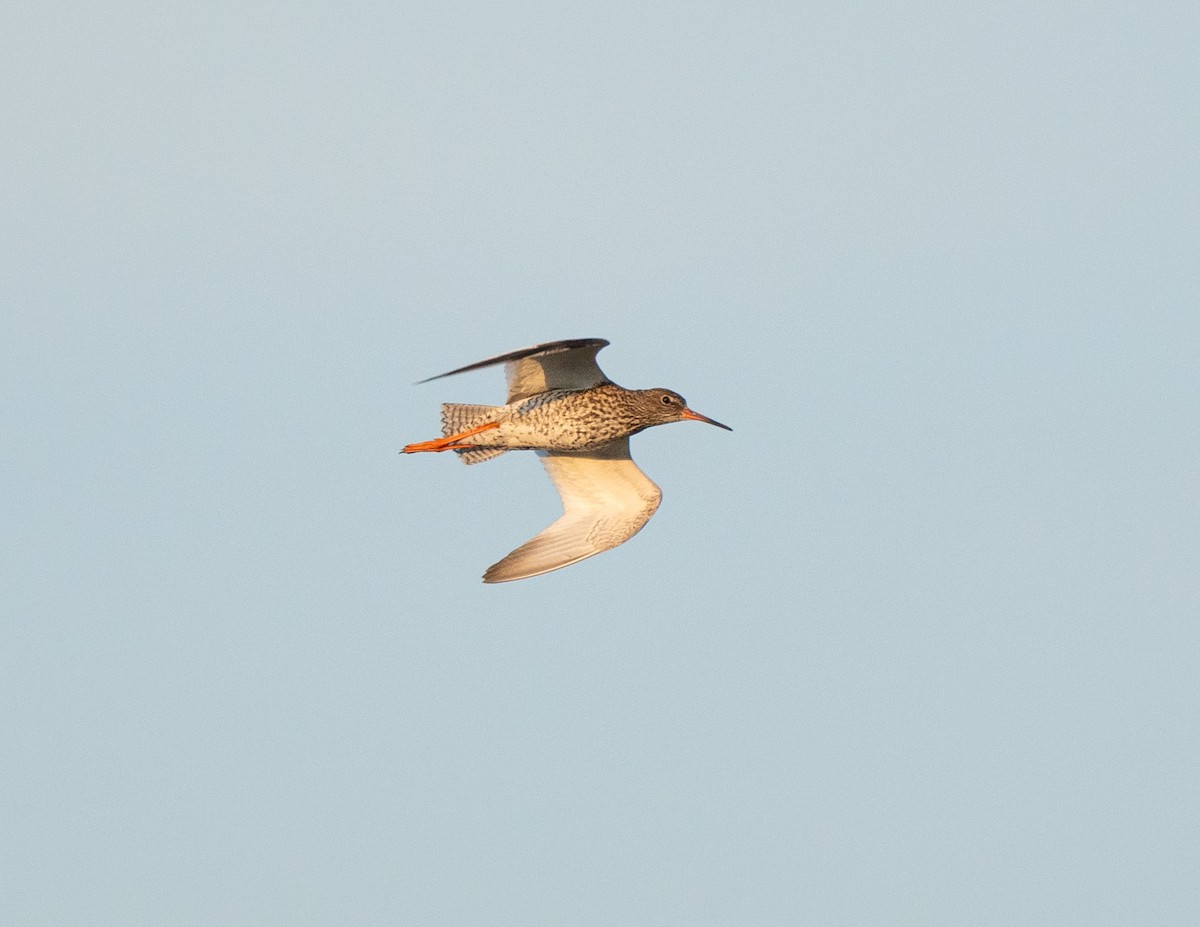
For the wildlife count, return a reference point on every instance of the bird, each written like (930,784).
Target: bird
(561,405)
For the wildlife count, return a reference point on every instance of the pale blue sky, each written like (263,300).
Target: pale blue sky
(915,644)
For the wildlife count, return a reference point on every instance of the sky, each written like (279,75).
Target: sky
(916,643)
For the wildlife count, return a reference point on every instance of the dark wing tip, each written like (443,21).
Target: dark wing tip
(550,347)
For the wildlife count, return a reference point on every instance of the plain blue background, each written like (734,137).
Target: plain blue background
(915,644)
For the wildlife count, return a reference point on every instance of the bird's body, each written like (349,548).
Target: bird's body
(557,420)
(561,405)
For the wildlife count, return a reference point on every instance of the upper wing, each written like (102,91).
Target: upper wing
(606,501)
(554,365)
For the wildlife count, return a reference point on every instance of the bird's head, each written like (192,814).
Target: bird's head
(663,405)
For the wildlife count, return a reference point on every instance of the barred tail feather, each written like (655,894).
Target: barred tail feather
(479,454)
(459,416)
(462,416)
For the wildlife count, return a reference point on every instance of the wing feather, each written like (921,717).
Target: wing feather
(554,365)
(606,501)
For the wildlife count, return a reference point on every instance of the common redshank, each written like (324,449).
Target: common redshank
(561,405)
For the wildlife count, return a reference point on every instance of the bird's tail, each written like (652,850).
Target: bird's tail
(462,416)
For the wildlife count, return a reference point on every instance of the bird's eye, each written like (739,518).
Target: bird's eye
(667,401)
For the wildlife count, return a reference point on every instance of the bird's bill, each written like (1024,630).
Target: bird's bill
(697,417)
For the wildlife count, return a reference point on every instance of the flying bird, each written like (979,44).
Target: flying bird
(561,405)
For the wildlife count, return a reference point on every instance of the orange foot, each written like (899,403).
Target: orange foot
(449,443)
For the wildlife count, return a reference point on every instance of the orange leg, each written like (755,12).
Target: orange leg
(449,443)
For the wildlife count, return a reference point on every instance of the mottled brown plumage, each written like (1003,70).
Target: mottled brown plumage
(561,405)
